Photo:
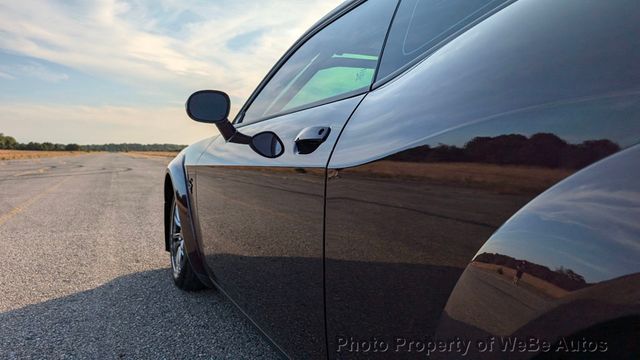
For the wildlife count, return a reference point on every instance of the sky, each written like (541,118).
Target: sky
(87,72)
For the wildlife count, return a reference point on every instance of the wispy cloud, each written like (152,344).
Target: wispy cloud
(169,45)
(34,70)
(4,75)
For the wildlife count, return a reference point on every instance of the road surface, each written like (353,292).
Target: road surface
(492,302)
(84,271)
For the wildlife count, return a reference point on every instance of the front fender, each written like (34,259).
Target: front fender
(179,186)
(567,263)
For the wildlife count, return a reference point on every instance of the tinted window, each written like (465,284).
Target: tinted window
(336,63)
(421,24)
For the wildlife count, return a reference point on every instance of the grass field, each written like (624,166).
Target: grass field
(499,178)
(508,274)
(31,154)
(167,154)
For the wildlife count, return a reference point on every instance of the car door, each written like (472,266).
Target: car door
(261,219)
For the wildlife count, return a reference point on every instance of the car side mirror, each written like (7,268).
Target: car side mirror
(267,144)
(208,106)
(212,107)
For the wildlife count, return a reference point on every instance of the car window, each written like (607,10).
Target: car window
(331,82)
(420,25)
(337,62)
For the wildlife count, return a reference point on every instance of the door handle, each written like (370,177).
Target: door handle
(309,139)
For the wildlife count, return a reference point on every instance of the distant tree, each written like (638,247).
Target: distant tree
(542,149)
(33,146)
(72,147)
(495,150)
(7,142)
(570,274)
(446,153)
(590,151)
(416,154)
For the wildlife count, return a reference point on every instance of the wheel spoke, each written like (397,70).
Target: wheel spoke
(180,254)
(177,243)
(176,217)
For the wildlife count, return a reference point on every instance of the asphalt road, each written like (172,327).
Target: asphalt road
(84,274)
(493,303)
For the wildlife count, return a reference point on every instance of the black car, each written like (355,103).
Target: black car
(427,178)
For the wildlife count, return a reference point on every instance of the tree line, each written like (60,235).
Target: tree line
(542,149)
(132,147)
(10,143)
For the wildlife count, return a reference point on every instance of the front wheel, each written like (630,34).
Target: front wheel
(183,275)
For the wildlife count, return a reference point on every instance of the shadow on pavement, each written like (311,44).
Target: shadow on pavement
(138,316)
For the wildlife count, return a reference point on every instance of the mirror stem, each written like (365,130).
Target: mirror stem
(231,134)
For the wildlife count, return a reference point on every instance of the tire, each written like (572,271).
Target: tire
(181,270)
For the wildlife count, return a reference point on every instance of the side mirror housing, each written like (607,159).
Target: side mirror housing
(208,106)
(212,107)
(267,144)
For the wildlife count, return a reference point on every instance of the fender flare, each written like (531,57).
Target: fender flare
(176,186)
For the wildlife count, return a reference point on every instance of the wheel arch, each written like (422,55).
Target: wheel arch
(175,187)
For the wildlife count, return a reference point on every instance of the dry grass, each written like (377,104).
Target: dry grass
(499,178)
(32,154)
(166,154)
(508,274)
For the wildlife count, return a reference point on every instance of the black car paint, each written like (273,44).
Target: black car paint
(580,255)
(397,242)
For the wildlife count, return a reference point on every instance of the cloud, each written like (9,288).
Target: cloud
(34,70)
(134,41)
(88,124)
(245,40)
(166,46)
(4,75)
(602,211)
